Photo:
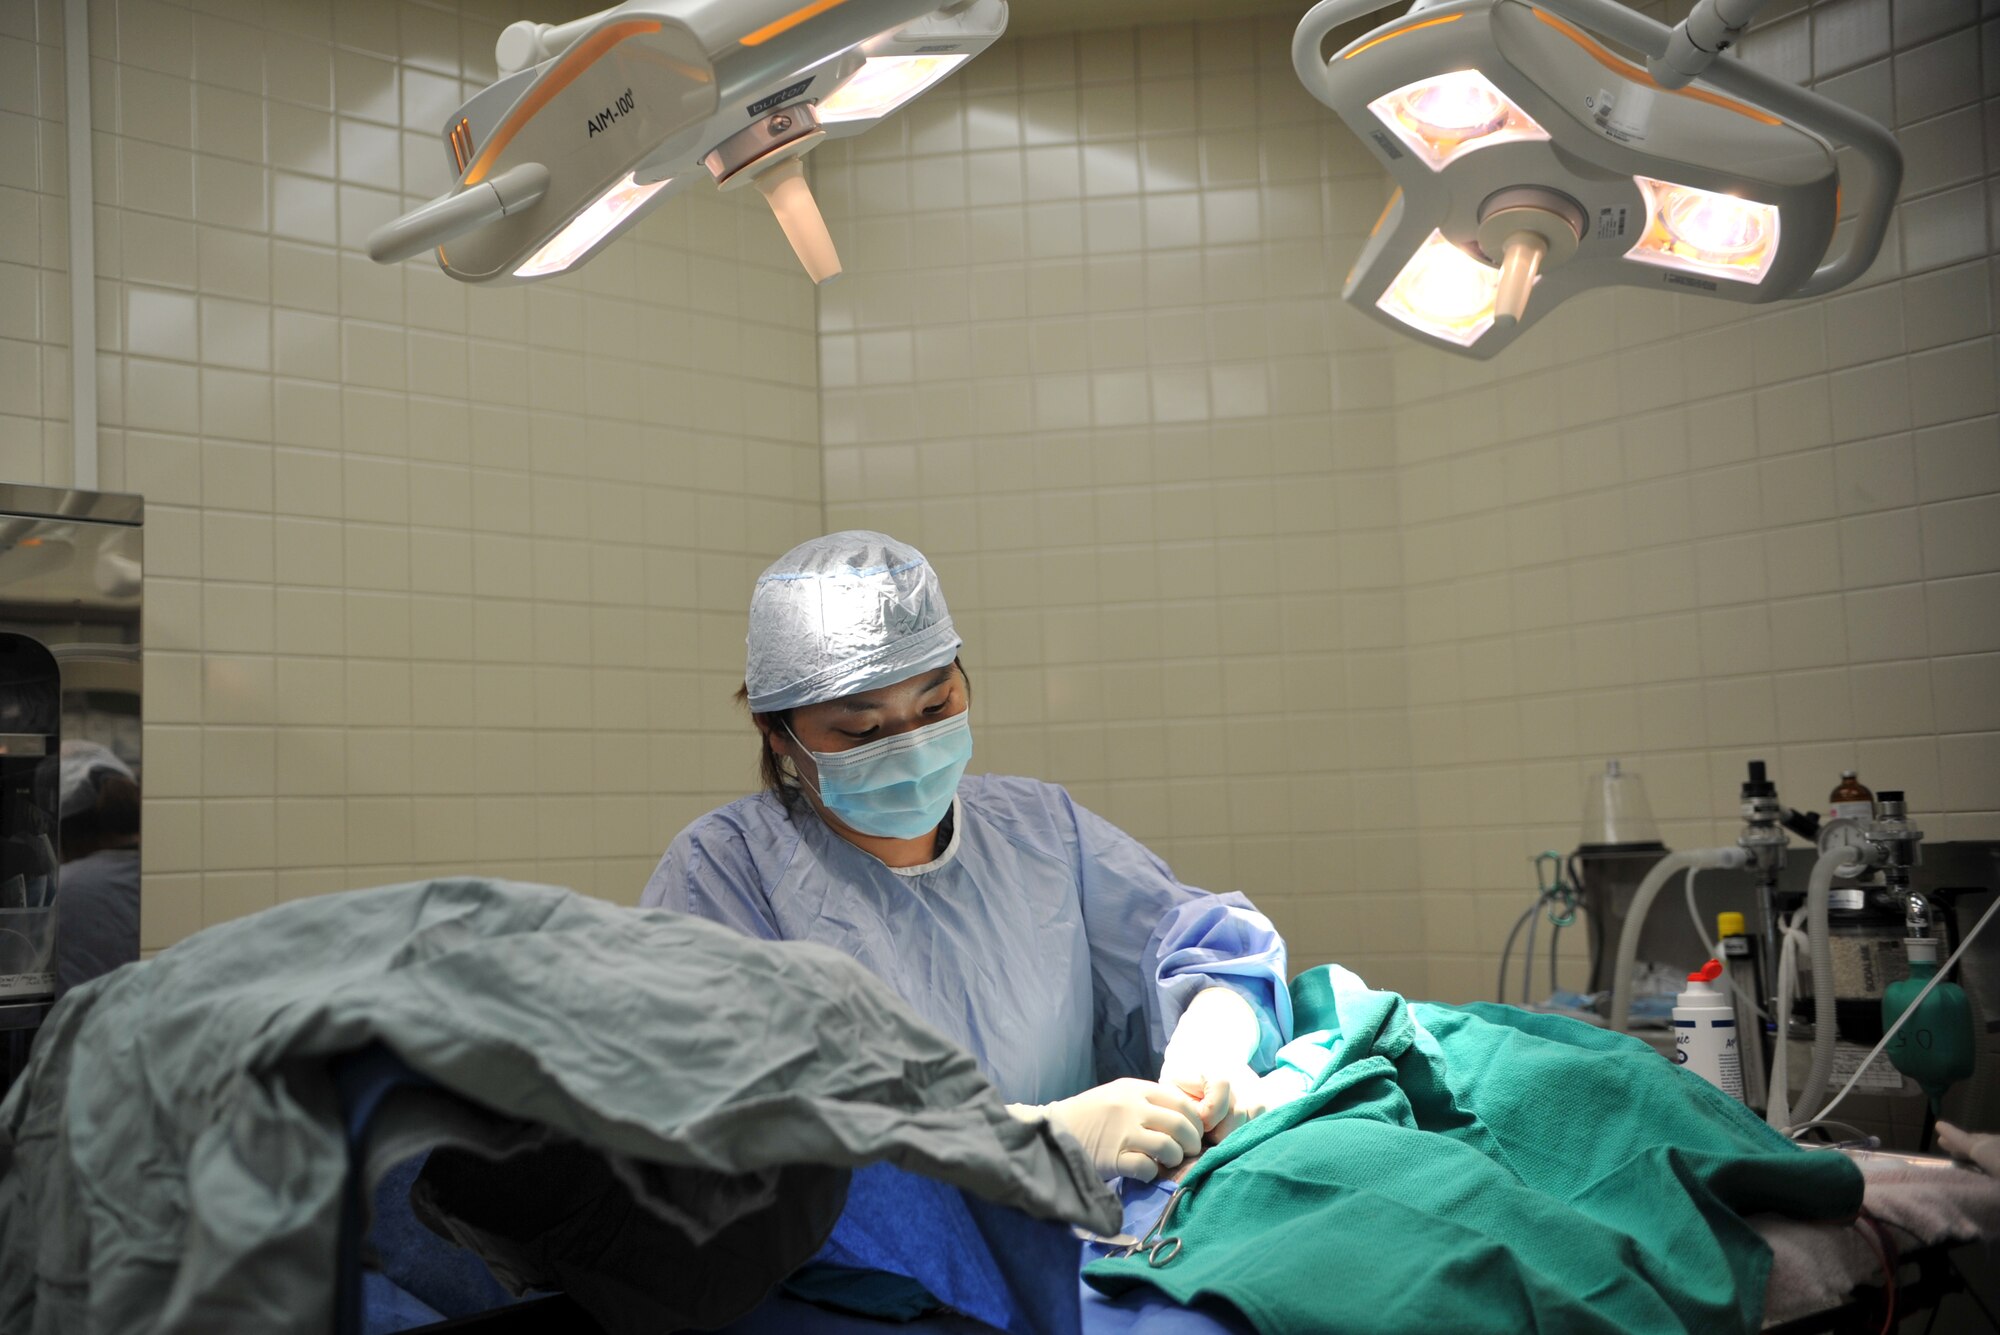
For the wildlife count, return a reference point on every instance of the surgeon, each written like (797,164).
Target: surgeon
(97,921)
(1051,945)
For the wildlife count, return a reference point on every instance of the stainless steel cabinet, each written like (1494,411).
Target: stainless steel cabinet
(71,576)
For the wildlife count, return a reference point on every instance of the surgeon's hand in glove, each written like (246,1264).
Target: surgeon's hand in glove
(1130,1128)
(1209,1058)
(1978,1147)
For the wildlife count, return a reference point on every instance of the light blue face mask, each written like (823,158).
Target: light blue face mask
(900,787)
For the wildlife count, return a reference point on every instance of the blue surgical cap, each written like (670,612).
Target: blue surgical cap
(842,614)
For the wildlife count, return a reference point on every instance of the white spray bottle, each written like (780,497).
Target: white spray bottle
(1705,1032)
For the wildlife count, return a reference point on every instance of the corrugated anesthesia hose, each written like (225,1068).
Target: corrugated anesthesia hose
(1642,903)
(1779,1100)
(1819,940)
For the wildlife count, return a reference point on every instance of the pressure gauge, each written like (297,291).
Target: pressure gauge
(1845,832)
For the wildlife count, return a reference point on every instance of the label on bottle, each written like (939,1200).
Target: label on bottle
(1861,811)
(1705,1043)
(1730,1063)
(1847,898)
(1736,947)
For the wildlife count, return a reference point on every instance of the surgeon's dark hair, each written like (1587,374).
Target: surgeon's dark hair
(780,720)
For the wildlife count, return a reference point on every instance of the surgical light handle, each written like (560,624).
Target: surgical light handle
(784,188)
(1609,18)
(1524,254)
(433,224)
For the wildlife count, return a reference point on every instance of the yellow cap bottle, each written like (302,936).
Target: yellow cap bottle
(1740,955)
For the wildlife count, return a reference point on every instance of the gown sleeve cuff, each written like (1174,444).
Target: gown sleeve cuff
(1220,941)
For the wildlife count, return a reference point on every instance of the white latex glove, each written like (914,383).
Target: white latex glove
(1209,1057)
(1979,1147)
(1130,1128)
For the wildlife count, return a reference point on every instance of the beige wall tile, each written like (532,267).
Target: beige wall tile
(1964,614)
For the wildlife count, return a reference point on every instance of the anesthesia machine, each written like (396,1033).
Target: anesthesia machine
(1885,933)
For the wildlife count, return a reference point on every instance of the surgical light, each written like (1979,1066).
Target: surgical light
(1533,161)
(1444,292)
(599,219)
(1446,117)
(596,122)
(1705,232)
(884,83)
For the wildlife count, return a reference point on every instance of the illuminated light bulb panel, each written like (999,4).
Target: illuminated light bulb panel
(1704,232)
(599,217)
(884,83)
(1444,292)
(1441,119)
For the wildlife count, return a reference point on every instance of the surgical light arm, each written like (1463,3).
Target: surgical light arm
(1711,27)
(431,225)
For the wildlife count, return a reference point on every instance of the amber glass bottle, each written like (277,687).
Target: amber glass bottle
(1850,799)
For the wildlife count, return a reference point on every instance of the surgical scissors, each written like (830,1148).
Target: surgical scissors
(1159,1249)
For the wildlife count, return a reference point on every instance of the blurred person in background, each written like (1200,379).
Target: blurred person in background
(97,895)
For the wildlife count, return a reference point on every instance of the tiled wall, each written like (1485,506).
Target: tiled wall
(1087,356)
(34,286)
(445,578)
(438,578)
(1689,532)
(1344,623)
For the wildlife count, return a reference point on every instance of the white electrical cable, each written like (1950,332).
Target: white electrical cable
(1901,1020)
(1735,983)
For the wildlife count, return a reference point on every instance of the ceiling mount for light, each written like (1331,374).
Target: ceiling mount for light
(1532,162)
(596,122)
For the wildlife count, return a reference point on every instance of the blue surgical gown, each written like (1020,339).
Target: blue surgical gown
(1046,941)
